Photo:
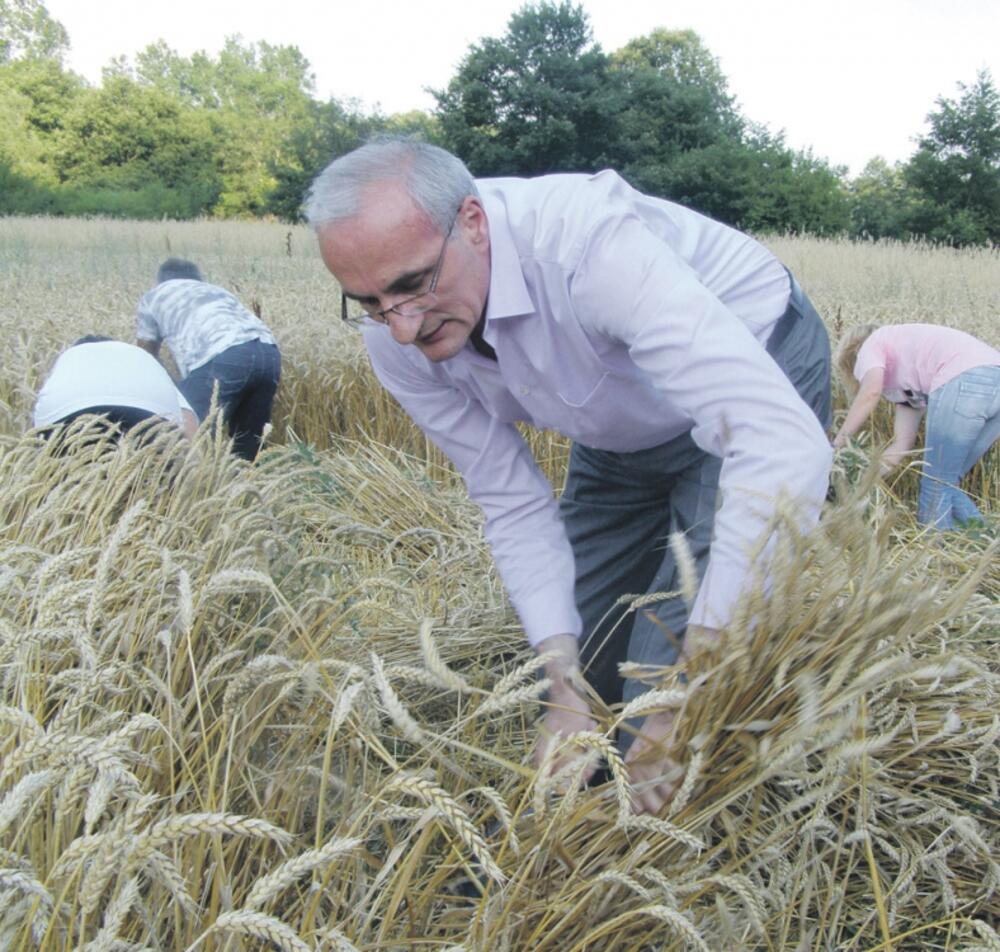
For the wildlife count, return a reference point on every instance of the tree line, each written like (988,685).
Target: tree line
(242,133)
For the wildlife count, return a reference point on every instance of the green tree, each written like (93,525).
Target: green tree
(758,184)
(335,128)
(674,100)
(956,169)
(332,130)
(125,137)
(684,139)
(35,98)
(421,125)
(679,57)
(49,89)
(27,31)
(882,203)
(539,99)
(258,100)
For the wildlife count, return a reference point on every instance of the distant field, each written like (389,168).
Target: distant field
(62,279)
(287,706)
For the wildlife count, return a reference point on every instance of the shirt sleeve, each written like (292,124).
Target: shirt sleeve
(522,524)
(146,325)
(871,354)
(631,287)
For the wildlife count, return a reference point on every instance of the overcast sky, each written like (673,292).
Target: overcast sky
(850,79)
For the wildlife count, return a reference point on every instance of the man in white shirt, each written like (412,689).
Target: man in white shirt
(684,362)
(216,343)
(110,378)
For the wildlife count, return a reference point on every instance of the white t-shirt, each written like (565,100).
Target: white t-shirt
(107,373)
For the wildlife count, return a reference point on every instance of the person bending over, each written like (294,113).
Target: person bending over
(109,378)
(215,342)
(680,356)
(953,377)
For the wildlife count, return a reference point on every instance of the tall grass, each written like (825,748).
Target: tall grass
(287,705)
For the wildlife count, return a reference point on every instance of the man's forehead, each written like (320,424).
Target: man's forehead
(387,206)
(389,236)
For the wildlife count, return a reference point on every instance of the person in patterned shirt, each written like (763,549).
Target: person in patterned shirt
(216,343)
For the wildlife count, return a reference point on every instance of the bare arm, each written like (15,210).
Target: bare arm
(862,406)
(189,423)
(150,346)
(904,435)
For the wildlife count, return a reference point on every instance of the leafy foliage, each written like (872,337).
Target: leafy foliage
(536,100)
(675,98)
(28,31)
(242,134)
(332,130)
(956,170)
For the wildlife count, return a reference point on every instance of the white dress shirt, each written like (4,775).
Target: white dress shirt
(621,321)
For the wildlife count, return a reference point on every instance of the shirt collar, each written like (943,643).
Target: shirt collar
(509,296)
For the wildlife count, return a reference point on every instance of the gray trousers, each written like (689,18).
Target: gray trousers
(619,510)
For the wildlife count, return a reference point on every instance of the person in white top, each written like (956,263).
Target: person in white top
(109,378)
(684,362)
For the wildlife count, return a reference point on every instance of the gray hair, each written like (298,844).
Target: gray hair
(436,180)
(174,268)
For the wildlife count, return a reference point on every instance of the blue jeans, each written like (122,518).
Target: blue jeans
(963,422)
(247,376)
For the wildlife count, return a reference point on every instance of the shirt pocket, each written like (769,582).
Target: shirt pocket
(581,391)
(975,397)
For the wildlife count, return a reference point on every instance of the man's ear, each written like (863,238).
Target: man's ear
(472,219)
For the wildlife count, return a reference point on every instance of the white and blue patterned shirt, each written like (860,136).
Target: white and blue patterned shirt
(197,321)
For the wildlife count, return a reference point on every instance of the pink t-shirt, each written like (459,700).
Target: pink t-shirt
(919,358)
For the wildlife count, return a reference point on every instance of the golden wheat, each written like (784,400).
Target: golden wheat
(225,711)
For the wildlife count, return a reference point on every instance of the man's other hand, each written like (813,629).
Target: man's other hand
(652,770)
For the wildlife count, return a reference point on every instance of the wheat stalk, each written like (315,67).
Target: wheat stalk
(295,868)
(260,926)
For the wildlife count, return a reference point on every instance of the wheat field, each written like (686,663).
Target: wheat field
(288,706)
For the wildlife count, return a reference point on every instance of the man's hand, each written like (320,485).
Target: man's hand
(652,770)
(189,424)
(568,712)
(567,708)
(699,638)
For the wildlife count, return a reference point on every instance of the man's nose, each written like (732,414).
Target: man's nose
(405,328)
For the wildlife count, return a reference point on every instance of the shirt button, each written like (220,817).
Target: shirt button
(525,391)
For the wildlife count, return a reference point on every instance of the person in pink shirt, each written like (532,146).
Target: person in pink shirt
(953,377)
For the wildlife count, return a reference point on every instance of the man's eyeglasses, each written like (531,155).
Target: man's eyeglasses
(412,306)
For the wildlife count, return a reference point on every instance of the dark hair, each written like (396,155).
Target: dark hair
(178,268)
(91,339)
